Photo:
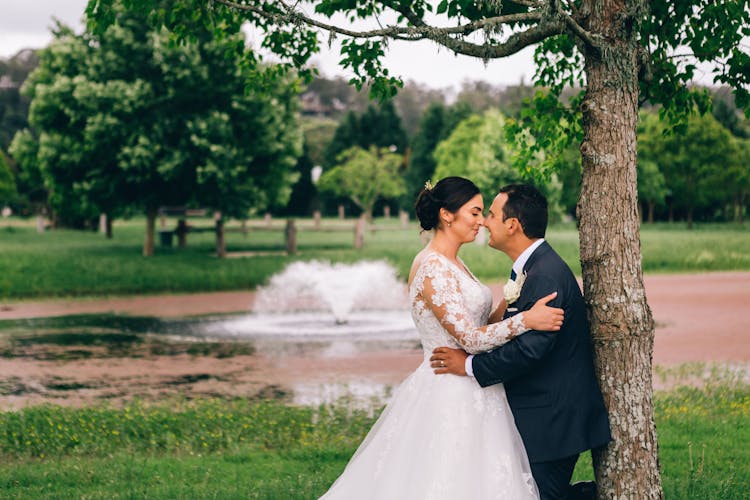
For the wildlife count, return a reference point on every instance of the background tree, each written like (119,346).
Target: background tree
(437,123)
(692,162)
(728,115)
(347,135)
(733,179)
(652,186)
(303,198)
(479,95)
(364,175)
(7,181)
(14,107)
(622,52)
(318,133)
(411,103)
(477,149)
(31,187)
(421,161)
(569,173)
(129,120)
(378,126)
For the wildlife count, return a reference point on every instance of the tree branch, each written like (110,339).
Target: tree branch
(580,32)
(450,37)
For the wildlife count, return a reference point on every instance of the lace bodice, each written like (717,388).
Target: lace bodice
(450,308)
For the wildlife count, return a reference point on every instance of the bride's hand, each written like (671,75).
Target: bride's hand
(542,317)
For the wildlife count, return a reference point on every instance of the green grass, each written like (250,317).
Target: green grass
(264,449)
(80,263)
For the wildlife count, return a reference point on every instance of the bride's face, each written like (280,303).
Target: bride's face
(468,220)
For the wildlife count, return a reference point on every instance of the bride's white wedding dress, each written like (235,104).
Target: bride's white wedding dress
(443,436)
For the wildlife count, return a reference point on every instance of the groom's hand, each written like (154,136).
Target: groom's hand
(447,360)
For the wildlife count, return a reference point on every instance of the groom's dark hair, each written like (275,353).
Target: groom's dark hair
(529,206)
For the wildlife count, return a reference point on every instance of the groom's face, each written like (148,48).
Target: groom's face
(495,224)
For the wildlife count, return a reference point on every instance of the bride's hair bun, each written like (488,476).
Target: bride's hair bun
(427,210)
(451,193)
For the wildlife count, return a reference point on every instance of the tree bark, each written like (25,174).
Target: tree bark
(621,322)
(148,243)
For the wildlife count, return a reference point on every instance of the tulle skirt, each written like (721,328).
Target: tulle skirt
(440,437)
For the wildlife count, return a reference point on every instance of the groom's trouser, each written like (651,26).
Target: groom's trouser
(553,478)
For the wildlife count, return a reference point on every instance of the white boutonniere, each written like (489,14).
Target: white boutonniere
(512,289)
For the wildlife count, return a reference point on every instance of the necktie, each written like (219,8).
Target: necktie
(513,275)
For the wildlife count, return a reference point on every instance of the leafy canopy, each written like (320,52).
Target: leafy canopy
(674,39)
(127,119)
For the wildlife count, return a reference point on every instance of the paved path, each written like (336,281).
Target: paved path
(699,317)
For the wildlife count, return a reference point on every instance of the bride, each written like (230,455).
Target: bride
(444,436)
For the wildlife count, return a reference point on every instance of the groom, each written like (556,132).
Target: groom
(548,376)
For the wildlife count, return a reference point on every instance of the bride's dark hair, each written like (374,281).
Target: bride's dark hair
(450,193)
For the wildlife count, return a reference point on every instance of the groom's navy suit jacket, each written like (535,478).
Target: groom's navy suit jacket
(549,376)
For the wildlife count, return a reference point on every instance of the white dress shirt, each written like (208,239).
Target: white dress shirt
(518,268)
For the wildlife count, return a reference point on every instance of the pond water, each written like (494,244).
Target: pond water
(306,357)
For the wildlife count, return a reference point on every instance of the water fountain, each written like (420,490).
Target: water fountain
(319,299)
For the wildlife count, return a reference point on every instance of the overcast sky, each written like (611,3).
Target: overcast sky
(26,23)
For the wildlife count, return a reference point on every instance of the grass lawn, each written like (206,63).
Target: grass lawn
(81,263)
(265,449)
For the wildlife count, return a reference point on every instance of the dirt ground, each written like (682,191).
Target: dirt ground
(702,317)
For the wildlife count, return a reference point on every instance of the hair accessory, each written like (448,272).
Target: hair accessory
(428,185)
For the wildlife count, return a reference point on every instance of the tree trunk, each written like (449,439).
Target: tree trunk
(690,217)
(651,205)
(738,208)
(108,225)
(221,244)
(741,219)
(316,219)
(359,231)
(181,232)
(148,243)
(621,322)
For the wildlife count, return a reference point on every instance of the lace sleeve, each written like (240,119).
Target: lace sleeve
(439,288)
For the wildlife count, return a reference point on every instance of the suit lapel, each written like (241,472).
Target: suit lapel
(540,251)
(535,255)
